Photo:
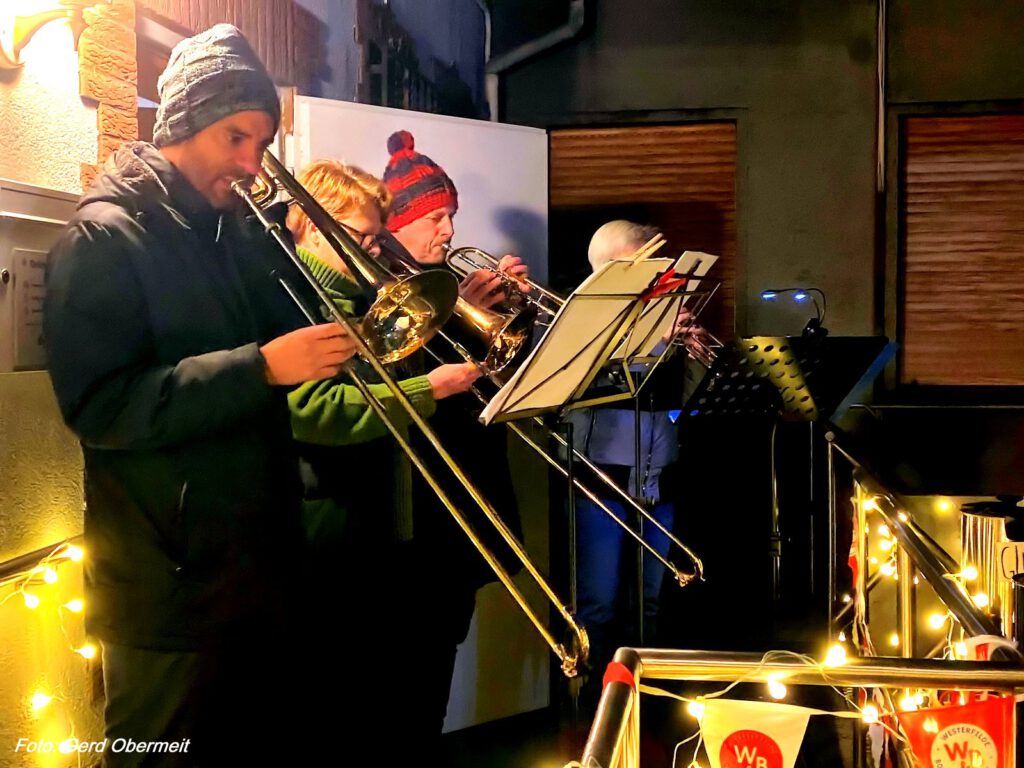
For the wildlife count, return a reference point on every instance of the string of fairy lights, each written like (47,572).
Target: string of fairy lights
(32,588)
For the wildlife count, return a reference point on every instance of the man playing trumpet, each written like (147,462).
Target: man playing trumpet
(419,226)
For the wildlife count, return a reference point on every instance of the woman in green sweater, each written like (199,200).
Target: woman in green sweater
(357,511)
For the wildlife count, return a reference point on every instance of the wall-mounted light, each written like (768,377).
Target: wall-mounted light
(21,19)
(800,295)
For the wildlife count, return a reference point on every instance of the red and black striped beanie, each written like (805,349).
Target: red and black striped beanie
(418,185)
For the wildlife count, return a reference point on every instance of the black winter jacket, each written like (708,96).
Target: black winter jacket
(156,307)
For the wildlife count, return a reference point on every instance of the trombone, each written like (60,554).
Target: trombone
(278,176)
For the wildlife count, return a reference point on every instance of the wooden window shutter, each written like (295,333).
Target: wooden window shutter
(962,224)
(680,178)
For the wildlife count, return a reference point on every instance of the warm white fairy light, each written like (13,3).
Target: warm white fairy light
(908,703)
(869,714)
(75,606)
(842,637)
(836,656)
(886,544)
(930,725)
(904,517)
(937,620)
(960,650)
(87,651)
(40,699)
(894,639)
(980,599)
(776,688)
(870,504)
(49,575)
(969,573)
(31,601)
(944,505)
(73,553)
(695,709)
(887,569)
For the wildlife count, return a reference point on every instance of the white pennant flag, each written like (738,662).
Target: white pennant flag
(752,734)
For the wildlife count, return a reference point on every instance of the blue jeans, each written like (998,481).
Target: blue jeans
(601,545)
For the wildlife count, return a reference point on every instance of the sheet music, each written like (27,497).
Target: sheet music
(659,315)
(589,325)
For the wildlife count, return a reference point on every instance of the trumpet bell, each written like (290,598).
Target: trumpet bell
(492,339)
(512,338)
(407,313)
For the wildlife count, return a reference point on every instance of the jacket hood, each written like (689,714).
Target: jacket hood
(130,174)
(139,178)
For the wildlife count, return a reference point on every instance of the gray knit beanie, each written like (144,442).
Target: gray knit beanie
(208,77)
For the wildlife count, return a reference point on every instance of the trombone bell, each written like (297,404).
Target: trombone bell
(407,314)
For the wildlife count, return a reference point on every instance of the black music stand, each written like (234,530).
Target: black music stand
(798,378)
(811,378)
(606,332)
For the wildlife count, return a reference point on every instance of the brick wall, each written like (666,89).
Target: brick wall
(108,76)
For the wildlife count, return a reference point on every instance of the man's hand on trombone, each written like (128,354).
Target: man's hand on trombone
(308,354)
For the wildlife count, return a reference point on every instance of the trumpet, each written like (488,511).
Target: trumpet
(570,656)
(467,259)
(406,310)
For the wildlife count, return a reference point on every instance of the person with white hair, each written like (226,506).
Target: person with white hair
(616,240)
(607,436)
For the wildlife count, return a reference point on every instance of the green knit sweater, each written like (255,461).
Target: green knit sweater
(333,412)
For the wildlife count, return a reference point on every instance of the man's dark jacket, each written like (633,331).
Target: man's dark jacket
(156,307)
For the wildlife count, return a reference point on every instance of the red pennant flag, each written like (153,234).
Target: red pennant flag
(975,735)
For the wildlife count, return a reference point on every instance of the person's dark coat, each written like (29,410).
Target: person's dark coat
(155,310)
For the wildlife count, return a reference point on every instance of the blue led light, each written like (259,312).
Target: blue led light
(800,296)
(673,416)
(768,295)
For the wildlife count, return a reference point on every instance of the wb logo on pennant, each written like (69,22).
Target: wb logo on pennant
(750,749)
(964,746)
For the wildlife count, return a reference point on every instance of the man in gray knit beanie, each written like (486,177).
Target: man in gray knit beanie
(171,350)
(208,77)
(218,111)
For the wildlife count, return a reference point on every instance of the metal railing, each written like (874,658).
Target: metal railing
(612,743)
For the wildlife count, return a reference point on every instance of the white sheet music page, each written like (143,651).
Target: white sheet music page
(589,325)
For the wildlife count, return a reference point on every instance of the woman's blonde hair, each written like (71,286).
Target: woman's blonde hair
(341,189)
